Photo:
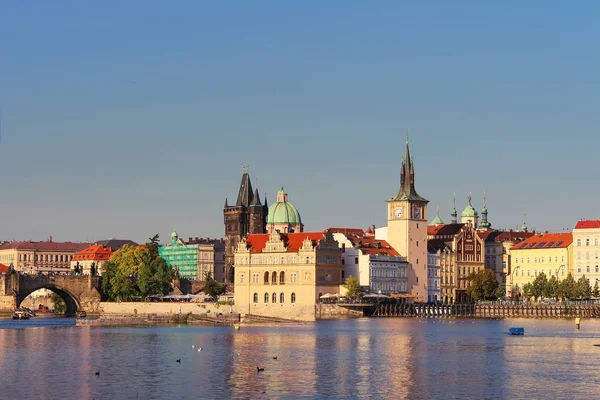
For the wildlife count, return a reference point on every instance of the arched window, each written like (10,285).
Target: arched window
(267,278)
(256,297)
(596,269)
(578,242)
(274,297)
(274,277)
(266,297)
(587,269)
(281,298)
(293,297)
(282,277)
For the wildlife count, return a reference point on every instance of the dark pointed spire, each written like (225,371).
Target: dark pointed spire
(484,224)
(265,199)
(245,194)
(256,199)
(454,213)
(226,205)
(407,179)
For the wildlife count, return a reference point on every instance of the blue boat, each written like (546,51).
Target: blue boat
(516,331)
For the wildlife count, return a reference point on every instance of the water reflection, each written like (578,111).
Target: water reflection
(369,358)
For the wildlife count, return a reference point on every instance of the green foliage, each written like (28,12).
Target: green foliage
(596,291)
(136,271)
(568,287)
(352,286)
(58,304)
(483,285)
(527,289)
(539,285)
(211,287)
(583,290)
(552,289)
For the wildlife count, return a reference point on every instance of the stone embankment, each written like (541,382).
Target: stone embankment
(538,311)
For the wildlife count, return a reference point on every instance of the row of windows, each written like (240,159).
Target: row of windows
(587,242)
(46,257)
(272,275)
(256,260)
(587,255)
(535,272)
(587,269)
(273,298)
(541,259)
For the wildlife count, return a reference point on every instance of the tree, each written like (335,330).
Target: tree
(539,285)
(58,304)
(212,287)
(483,285)
(527,289)
(136,271)
(567,287)
(352,286)
(552,289)
(583,290)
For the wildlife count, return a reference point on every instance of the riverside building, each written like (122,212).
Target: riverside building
(285,274)
(550,253)
(33,257)
(196,258)
(378,267)
(586,251)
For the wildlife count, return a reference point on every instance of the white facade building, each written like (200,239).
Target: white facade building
(433,275)
(374,262)
(586,254)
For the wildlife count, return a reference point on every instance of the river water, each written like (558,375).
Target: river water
(366,358)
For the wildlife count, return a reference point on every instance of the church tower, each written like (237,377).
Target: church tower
(407,228)
(247,216)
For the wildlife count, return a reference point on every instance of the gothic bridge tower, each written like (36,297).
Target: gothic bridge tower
(246,217)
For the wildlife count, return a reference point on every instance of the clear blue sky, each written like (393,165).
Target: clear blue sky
(129,118)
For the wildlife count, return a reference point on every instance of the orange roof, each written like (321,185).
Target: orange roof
(293,241)
(545,241)
(96,252)
(585,224)
(377,247)
(3,268)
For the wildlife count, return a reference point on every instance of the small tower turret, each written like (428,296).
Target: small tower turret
(454,213)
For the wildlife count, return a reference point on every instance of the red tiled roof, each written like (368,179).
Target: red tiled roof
(545,241)
(377,247)
(446,229)
(96,252)
(293,241)
(587,224)
(45,246)
(3,268)
(513,236)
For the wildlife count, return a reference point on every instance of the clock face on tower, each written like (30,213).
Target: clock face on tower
(398,212)
(417,213)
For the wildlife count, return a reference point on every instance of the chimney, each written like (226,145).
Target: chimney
(189,240)
(50,239)
(196,239)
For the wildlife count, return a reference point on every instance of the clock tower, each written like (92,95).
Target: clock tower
(407,228)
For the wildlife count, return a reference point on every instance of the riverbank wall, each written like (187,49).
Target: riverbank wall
(485,311)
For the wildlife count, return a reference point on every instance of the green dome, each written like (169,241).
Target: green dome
(437,221)
(283,213)
(469,211)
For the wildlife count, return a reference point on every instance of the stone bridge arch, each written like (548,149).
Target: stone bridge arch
(78,292)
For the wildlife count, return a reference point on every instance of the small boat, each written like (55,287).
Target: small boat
(516,331)
(20,315)
(81,314)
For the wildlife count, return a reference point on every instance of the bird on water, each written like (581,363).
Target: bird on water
(97,373)
(259,369)
(178,360)
(275,358)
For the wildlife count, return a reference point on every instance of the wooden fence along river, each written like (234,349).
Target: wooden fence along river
(485,311)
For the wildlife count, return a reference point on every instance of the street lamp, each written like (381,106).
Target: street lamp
(511,281)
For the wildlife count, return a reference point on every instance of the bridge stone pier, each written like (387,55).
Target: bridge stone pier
(78,292)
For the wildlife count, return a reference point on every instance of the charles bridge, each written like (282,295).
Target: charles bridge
(80,293)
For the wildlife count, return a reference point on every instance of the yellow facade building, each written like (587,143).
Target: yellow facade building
(283,275)
(550,253)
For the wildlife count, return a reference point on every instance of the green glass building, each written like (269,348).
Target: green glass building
(183,256)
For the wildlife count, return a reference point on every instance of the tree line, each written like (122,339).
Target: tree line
(568,288)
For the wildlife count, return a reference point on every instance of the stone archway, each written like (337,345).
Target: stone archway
(71,302)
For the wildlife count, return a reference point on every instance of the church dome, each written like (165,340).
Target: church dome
(283,212)
(469,211)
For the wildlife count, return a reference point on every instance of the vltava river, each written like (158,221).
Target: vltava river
(366,358)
